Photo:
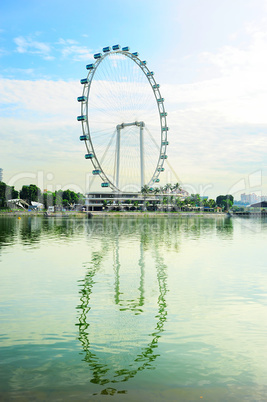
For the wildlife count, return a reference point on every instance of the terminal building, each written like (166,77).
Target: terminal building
(98,201)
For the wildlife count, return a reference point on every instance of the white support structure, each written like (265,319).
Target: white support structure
(142,165)
(118,146)
(119,127)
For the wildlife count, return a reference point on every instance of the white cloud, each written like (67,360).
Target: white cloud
(71,48)
(28,45)
(48,98)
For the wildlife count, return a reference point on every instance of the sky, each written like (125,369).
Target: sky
(209,56)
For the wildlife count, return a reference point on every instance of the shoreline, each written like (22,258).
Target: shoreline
(122,214)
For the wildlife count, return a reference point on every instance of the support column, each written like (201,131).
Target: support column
(119,127)
(142,154)
(118,145)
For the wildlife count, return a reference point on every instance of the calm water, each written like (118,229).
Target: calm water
(158,309)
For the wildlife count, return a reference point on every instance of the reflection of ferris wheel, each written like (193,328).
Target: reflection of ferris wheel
(105,369)
(123,120)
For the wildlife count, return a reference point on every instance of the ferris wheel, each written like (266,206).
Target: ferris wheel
(124,122)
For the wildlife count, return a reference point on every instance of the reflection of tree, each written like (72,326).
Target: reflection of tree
(8,231)
(102,373)
(225,227)
(30,230)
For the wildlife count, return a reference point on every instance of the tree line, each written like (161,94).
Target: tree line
(169,198)
(66,198)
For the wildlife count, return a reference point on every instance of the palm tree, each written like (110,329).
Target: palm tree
(178,202)
(165,202)
(167,187)
(136,204)
(176,187)
(145,190)
(172,200)
(156,191)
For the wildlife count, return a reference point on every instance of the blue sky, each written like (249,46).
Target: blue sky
(210,58)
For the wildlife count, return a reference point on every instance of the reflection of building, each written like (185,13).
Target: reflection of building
(1,174)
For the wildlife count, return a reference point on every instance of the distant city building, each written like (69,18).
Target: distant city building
(252,198)
(1,174)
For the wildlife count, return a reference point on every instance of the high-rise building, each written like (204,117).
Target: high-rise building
(1,174)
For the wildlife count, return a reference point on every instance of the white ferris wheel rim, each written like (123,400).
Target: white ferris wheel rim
(84,117)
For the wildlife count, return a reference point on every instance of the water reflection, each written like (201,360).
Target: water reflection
(133,356)
(212,340)
(129,304)
(225,227)
(8,231)
(34,229)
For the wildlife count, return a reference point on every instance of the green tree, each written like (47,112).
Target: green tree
(30,193)
(176,187)
(178,202)
(2,194)
(57,198)
(105,204)
(164,202)
(7,193)
(211,203)
(195,200)
(136,204)
(48,199)
(145,190)
(225,201)
(167,187)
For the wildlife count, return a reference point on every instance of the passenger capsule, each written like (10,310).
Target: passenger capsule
(82,118)
(163,114)
(84,81)
(104,184)
(161,169)
(89,156)
(116,47)
(165,142)
(97,171)
(165,128)
(163,156)
(156,86)
(106,49)
(90,66)
(84,137)
(82,99)
(157,181)
(150,73)
(135,54)
(125,49)
(97,56)
(143,62)
(160,100)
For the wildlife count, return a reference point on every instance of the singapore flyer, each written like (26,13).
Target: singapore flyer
(124,122)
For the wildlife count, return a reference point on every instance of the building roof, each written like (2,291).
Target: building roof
(262,204)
